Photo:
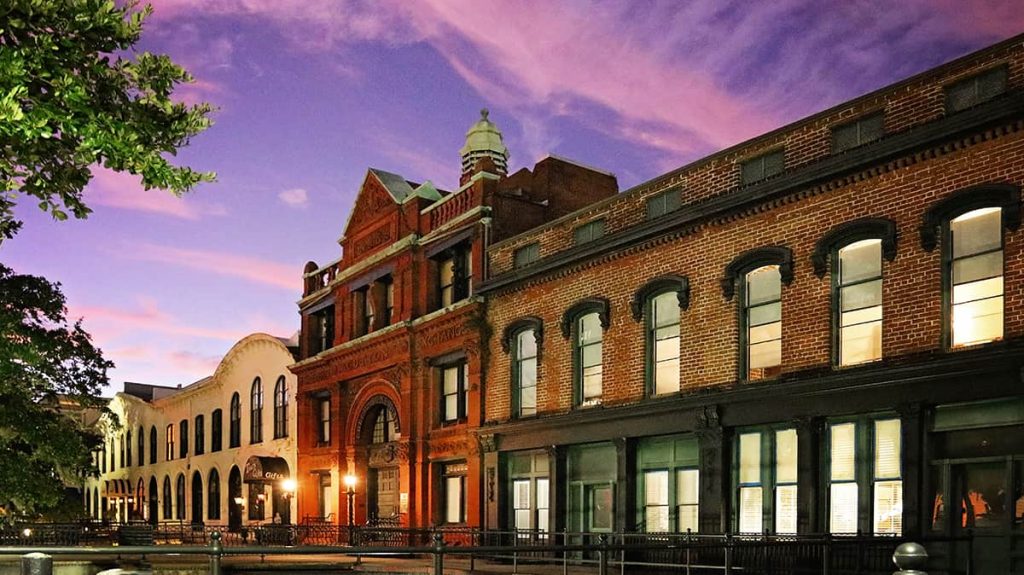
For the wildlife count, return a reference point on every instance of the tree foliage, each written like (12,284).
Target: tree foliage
(70,98)
(49,372)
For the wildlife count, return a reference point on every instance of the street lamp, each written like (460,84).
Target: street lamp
(350,490)
(288,486)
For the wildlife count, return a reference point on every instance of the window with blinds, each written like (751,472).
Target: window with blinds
(660,204)
(589,336)
(687,500)
(526,255)
(859,297)
(976,277)
(762,315)
(976,89)
(888,485)
(843,479)
(761,167)
(656,504)
(857,133)
(751,496)
(785,481)
(588,232)
(664,340)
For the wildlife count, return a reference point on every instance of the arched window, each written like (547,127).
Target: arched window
(585,323)
(179,496)
(120,445)
(235,438)
(197,498)
(972,223)
(216,430)
(128,449)
(152,444)
(280,408)
(168,501)
(103,458)
(658,304)
(200,433)
(169,443)
(213,496)
(256,412)
(183,433)
(96,503)
(384,426)
(759,274)
(523,339)
(142,446)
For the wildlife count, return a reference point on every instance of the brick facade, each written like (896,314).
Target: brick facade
(927,155)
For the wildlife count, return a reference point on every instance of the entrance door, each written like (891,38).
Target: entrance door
(600,509)
(985,506)
(384,492)
(234,498)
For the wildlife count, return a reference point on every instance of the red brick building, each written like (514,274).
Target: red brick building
(394,340)
(817,330)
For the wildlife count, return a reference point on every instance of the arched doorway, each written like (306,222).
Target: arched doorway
(197,498)
(234,499)
(154,503)
(261,472)
(378,429)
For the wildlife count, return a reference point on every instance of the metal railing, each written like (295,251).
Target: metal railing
(687,553)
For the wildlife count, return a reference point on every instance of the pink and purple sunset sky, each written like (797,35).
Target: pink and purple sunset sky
(313,92)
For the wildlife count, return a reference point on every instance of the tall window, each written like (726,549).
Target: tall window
(103,458)
(216,430)
(324,415)
(323,330)
(767,463)
(454,274)
(256,412)
(663,342)
(213,495)
(169,456)
(975,272)
(128,449)
(454,477)
(762,318)
(152,444)
(887,478)
(141,438)
(859,295)
(385,427)
(524,372)
(120,445)
(257,501)
(179,498)
(531,506)
(363,299)
(168,501)
(589,368)
(843,490)
(235,438)
(389,299)
(183,433)
(453,392)
(280,408)
(200,433)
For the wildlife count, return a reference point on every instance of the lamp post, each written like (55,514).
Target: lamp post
(350,491)
(289,486)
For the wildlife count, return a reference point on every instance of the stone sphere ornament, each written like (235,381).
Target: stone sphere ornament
(911,559)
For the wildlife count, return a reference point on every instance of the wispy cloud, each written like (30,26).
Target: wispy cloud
(125,191)
(295,197)
(109,323)
(251,269)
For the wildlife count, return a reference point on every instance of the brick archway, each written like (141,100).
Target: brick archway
(378,393)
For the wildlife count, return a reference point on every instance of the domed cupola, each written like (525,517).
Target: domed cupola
(484,140)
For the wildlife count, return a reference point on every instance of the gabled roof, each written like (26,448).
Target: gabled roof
(396,185)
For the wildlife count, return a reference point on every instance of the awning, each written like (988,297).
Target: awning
(265,469)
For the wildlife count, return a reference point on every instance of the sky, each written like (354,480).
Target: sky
(311,93)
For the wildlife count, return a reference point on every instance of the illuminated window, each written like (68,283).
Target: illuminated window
(453,476)
(843,479)
(859,296)
(169,456)
(751,491)
(454,274)
(767,463)
(976,277)
(256,411)
(524,372)
(385,427)
(888,485)
(785,481)
(762,319)
(324,427)
(589,357)
(453,392)
(663,341)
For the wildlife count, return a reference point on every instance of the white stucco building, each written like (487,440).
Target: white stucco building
(220,451)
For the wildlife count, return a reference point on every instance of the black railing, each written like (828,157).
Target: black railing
(636,552)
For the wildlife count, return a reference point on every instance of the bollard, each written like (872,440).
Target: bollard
(216,551)
(36,564)
(910,558)
(438,554)
(603,555)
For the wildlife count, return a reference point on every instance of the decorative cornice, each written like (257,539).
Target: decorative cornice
(893,152)
(849,232)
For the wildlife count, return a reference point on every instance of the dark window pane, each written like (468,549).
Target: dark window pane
(976,89)
(527,255)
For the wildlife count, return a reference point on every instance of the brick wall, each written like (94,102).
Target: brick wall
(911,287)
